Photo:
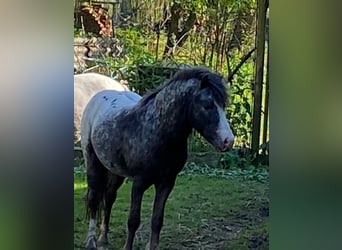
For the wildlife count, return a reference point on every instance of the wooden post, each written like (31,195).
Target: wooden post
(266,109)
(259,72)
(267,84)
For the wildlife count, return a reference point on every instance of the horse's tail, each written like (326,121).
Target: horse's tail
(97,180)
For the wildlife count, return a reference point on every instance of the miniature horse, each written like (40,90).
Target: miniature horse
(124,136)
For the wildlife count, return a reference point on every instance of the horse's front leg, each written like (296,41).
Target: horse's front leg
(138,189)
(162,193)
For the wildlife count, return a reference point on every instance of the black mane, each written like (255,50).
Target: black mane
(211,80)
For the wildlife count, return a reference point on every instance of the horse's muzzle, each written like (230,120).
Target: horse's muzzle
(227,145)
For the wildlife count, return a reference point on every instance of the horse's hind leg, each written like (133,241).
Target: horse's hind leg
(113,184)
(96,176)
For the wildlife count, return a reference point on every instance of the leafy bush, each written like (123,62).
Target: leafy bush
(251,173)
(241,103)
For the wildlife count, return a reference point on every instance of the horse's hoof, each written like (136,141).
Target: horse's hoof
(102,248)
(91,243)
(148,247)
(126,248)
(102,240)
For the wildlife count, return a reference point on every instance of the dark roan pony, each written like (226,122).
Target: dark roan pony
(145,140)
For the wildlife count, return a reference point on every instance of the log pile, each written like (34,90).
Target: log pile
(96,20)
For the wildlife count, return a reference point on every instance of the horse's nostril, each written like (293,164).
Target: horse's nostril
(228,143)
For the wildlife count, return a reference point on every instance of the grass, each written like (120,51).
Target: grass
(202,212)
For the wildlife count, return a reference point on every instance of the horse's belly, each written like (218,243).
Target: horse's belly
(110,159)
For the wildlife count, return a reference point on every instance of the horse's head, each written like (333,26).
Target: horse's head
(206,111)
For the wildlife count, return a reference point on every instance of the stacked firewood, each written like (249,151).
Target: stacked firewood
(97,20)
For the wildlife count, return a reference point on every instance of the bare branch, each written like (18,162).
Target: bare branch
(243,60)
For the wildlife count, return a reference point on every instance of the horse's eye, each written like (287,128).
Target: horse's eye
(208,106)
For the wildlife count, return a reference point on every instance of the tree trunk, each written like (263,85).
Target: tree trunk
(259,73)
(172,29)
(174,36)
(126,8)
(267,84)
(184,34)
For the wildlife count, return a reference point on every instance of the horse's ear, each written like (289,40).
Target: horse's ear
(204,82)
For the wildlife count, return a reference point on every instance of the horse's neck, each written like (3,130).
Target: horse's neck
(168,113)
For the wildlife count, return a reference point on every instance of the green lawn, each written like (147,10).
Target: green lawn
(201,213)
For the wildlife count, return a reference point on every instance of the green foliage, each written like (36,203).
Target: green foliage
(78,32)
(240,108)
(198,144)
(230,164)
(151,76)
(135,42)
(260,174)
(134,49)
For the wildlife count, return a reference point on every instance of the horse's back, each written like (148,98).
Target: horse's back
(85,87)
(103,107)
(91,83)
(107,103)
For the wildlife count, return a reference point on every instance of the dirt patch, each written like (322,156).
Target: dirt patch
(211,234)
(215,233)
(238,231)
(222,233)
